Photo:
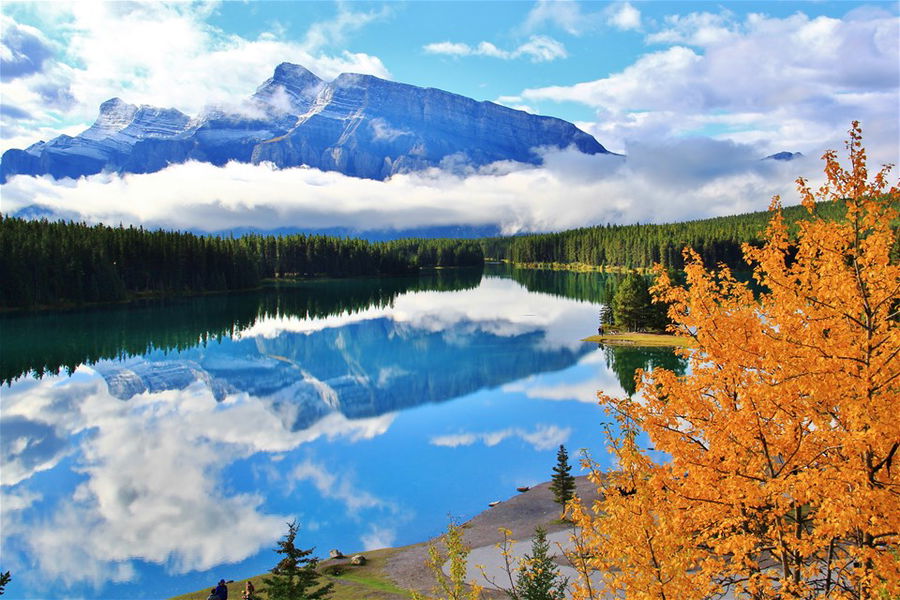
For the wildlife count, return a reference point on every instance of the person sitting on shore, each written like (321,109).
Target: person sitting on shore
(249,590)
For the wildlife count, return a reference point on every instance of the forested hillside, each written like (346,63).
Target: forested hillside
(46,263)
(635,246)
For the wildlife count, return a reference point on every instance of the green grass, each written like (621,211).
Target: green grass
(369,581)
(641,340)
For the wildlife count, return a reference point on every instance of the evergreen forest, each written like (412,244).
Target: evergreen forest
(52,264)
(717,240)
(45,263)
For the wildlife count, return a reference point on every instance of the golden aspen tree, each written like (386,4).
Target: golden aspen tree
(783,474)
(451,586)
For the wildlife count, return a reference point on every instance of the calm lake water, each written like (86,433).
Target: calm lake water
(153,449)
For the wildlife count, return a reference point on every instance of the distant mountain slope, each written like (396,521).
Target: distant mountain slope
(359,125)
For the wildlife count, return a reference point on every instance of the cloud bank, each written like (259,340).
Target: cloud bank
(670,181)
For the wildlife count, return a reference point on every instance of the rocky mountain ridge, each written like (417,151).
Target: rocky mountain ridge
(359,125)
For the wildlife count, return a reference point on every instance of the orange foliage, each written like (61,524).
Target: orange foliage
(783,439)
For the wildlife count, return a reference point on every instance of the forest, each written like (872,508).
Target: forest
(641,246)
(45,263)
(52,264)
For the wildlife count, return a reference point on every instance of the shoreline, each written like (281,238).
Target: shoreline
(641,340)
(575,267)
(394,573)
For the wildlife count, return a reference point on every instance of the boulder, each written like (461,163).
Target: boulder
(335,553)
(358,560)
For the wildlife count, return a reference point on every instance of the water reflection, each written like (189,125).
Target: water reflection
(175,456)
(624,361)
(116,332)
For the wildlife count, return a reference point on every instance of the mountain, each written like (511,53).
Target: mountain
(784,156)
(362,369)
(359,125)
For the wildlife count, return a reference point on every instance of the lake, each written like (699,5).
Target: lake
(152,449)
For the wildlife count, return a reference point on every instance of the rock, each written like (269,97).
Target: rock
(335,553)
(359,125)
(524,488)
(358,560)
(494,503)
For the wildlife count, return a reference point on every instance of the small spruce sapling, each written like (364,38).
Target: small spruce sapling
(539,577)
(563,483)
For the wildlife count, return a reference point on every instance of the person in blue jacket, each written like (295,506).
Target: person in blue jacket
(222,590)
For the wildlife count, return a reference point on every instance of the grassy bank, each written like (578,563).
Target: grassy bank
(641,339)
(573,266)
(364,582)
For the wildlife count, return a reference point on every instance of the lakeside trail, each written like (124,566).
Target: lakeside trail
(521,514)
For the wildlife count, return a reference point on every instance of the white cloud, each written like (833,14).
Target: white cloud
(544,437)
(579,386)
(497,307)
(382,130)
(151,469)
(783,81)
(697,29)
(379,537)
(623,16)
(565,14)
(660,181)
(538,48)
(337,487)
(105,54)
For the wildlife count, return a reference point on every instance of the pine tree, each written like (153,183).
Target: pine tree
(539,577)
(295,575)
(563,485)
(631,303)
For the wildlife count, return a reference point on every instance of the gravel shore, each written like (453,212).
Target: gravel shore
(520,514)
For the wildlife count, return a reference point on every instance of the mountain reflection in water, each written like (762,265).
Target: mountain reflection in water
(181,435)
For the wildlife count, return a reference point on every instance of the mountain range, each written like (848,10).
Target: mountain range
(359,125)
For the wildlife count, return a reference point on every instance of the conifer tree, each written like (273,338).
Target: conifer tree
(295,576)
(631,303)
(539,577)
(563,484)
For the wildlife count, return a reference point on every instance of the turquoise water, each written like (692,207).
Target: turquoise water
(150,450)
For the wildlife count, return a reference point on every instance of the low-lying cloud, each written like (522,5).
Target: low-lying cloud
(661,182)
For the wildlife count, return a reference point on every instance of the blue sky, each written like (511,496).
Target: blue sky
(706,82)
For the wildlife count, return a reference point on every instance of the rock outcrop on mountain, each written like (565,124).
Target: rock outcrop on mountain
(359,125)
